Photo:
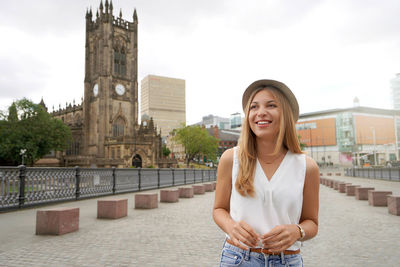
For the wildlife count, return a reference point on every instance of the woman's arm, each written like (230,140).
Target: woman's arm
(237,231)
(309,214)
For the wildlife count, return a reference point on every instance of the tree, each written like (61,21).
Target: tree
(302,145)
(196,142)
(28,126)
(165,151)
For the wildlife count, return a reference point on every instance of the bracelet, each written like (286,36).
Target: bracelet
(302,232)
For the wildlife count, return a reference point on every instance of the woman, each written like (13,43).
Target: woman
(266,199)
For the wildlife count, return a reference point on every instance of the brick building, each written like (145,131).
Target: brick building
(227,138)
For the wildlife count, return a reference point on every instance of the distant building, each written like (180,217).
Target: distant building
(163,99)
(227,138)
(211,120)
(177,150)
(395,86)
(356,135)
(236,120)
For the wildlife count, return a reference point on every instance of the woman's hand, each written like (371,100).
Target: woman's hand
(242,233)
(281,237)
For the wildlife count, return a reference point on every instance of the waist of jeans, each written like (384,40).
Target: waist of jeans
(264,251)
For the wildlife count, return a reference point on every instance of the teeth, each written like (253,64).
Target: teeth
(263,122)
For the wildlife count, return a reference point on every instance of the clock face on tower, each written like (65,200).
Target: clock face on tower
(120,89)
(96,89)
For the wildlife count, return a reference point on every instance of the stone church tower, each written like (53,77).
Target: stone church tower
(108,133)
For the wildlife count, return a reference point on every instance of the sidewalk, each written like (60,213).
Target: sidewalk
(351,233)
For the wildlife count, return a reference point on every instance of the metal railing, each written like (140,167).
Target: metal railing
(28,186)
(391,174)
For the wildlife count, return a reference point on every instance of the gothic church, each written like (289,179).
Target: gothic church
(105,126)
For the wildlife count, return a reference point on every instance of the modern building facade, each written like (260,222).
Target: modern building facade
(163,99)
(352,136)
(395,86)
(105,126)
(236,120)
(212,120)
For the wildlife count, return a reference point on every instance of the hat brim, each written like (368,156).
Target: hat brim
(278,85)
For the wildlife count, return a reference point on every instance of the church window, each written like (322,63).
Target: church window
(95,59)
(118,153)
(119,61)
(112,153)
(74,148)
(118,127)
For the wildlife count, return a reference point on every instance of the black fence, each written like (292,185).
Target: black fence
(24,186)
(391,174)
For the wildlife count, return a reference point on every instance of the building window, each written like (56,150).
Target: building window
(118,127)
(95,59)
(73,148)
(120,61)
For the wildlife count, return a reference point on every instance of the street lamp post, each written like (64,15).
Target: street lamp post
(22,153)
(374,137)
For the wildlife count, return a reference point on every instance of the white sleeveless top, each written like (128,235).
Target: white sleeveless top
(276,201)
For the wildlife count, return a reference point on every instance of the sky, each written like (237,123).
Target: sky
(326,51)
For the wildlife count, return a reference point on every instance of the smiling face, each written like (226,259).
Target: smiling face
(264,115)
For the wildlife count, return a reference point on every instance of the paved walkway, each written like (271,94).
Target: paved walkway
(351,233)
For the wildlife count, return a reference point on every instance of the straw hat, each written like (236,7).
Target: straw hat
(278,85)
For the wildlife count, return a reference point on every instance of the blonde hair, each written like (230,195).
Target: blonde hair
(247,154)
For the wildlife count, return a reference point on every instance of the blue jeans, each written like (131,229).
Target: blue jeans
(234,256)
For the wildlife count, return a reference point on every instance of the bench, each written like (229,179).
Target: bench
(57,221)
(112,208)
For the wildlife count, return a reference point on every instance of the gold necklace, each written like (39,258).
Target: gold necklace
(273,160)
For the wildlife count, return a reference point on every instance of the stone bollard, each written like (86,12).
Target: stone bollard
(331,183)
(342,187)
(112,208)
(336,184)
(208,187)
(57,221)
(351,190)
(361,193)
(146,201)
(393,203)
(321,180)
(198,189)
(169,195)
(186,192)
(214,184)
(378,198)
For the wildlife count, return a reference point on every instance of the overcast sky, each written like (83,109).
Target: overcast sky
(327,52)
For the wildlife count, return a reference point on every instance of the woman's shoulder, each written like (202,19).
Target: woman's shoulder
(227,156)
(312,169)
